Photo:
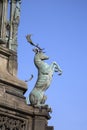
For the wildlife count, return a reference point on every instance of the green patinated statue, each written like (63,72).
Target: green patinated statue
(45,73)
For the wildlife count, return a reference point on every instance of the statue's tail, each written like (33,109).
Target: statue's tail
(29,78)
(27,100)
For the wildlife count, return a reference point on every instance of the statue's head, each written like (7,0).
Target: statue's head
(38,50)
(40,54)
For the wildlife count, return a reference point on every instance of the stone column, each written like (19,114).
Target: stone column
(3,18)
(1,5)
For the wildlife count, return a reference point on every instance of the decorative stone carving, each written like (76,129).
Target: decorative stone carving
(15,18)
(9,123)
(3,18)
(9,26)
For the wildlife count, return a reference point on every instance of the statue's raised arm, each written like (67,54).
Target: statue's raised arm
(45,74)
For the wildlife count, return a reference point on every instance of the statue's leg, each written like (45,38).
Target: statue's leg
(41,103)
(36,97)
(32,99)
(57,68)
(43,99)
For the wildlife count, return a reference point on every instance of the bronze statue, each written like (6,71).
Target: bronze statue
(45,74)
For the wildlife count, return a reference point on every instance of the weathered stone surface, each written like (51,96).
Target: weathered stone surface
(3,16)
(8,61)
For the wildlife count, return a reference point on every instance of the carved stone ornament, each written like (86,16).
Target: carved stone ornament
(9,26)
(7,123)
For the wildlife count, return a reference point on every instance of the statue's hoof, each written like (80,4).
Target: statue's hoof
(60,73)
(50,110)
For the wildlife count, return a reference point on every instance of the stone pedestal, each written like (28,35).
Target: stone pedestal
(15,114)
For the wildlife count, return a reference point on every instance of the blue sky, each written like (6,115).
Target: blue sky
(59,26)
